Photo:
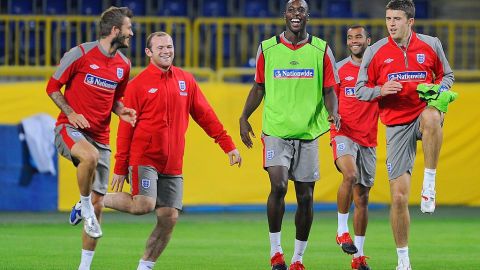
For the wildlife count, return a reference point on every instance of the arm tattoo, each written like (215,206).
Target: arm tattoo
(61,102)
(117,105)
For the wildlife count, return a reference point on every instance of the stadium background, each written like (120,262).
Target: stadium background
(217,40)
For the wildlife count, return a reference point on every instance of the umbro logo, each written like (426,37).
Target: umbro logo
(349,78)
(93,66)
(294,63)
(388,60)
(152,90)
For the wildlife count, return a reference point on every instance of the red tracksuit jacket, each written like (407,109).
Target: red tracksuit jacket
(359,118)
(164,102)
(422,61)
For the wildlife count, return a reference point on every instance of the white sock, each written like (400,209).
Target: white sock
(275,243)
(402,254)
(300,247)
(359,241)
(87,206)
(86,261)
(429,178)
(145,265)
(342,223)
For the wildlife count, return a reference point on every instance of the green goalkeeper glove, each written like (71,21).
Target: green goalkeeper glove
(442,101)
(428,92)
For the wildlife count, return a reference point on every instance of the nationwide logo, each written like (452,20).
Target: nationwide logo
(350,91)
(100,83)
(293,73)
(408,76)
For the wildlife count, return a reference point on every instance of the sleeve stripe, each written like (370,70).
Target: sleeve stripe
(67,60)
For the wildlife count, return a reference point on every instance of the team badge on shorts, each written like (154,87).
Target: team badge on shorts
(420,58)
(76,134)
(120,73)
(389,167)
(340,146)
(269,154)
(145,183)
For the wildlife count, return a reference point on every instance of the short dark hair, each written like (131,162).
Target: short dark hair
(113,17)
(356,26)
(154,34)
(406,6)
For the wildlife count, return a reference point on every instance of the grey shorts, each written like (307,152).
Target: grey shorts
(402,148)
(167,189)
(365,158)
(299,156)
(66,136)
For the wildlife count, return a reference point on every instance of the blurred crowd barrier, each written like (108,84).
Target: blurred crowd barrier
(214,49)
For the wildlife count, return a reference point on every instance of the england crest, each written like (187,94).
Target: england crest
(145,183)
(420,58)
(270,154)
(120,73)
(182,85)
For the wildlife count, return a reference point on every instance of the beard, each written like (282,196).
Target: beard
(119,41)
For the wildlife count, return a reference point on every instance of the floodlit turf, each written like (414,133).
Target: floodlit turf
(449,239)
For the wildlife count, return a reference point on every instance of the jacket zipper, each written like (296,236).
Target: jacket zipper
(405,57)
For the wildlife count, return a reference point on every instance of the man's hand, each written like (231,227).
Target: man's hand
(235,157)
(335,120)
(78,120)
(117,182)
(245,131)
(128,115)
(390,87)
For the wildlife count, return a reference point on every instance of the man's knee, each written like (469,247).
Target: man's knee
(399,199)
(350,176)
(361,201)
(279,188)
(89,158)
(167,216)
(85,152)
(143,206)
(431,118)
(305,198)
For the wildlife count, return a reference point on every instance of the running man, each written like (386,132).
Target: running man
(391,71)
(354,148)
(151,153)
(96,75)
(296,75)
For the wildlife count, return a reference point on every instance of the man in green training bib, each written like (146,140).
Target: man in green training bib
(295,75)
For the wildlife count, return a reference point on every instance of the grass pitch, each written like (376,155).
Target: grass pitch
(447,239)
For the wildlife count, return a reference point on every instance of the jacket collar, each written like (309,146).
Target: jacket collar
(411,40)
(158,72)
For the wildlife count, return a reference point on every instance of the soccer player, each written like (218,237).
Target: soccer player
(95,75)
(296,75)
(164,97)
(354,148)
(391,70)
